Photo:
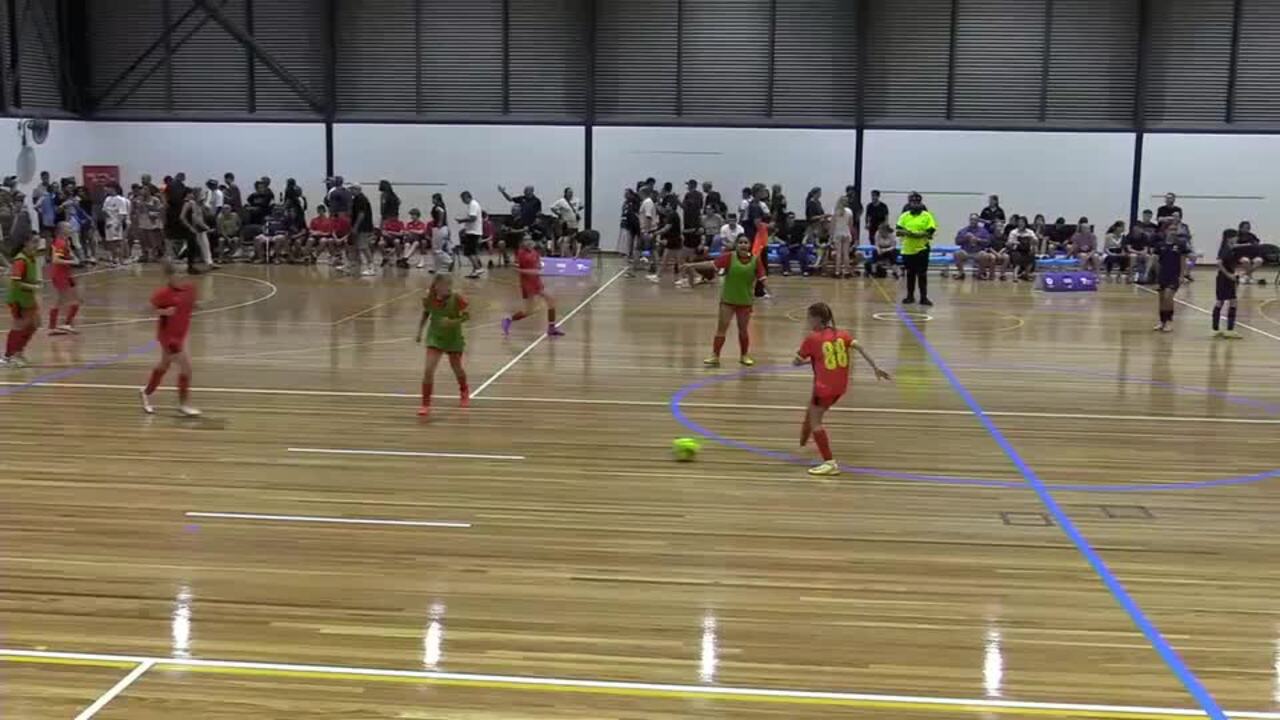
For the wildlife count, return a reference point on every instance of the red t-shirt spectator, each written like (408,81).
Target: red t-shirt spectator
(322,226)
(341,227)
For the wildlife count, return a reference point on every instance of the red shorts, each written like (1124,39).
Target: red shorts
(825,401)
(739,310)
(173,345)
(531,290)
(63,282)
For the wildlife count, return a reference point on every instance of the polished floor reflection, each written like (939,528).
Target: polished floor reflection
(542,551)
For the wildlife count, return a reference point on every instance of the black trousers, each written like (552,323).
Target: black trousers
(917,268)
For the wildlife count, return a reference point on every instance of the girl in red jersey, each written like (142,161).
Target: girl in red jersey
(529,265)
(443,313)
(174,304)
(64,282)
(827,350)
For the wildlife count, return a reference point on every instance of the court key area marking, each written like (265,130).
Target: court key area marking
(619,688)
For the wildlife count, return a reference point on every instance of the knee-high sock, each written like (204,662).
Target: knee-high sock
(53,317)
(1231,318)
(154,381)
(551,315)
(744,340)
(11,343)
(71,314)
(25,338)
(426,393)
(824,444)
(1217,315)
(519,316)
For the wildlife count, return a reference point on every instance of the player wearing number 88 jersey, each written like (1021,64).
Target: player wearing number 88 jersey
(827,350)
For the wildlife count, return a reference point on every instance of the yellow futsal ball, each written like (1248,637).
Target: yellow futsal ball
(685,449)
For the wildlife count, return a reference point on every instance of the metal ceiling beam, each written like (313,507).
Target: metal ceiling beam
(137,62)
(164,62)
(316,102)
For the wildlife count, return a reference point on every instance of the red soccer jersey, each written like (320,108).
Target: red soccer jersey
(173,328)
(417,228)
(322,226)
(61,250)
(529,259)
(827,350)
(341,226)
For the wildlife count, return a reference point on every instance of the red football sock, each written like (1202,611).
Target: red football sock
(156,376)
(463,388)
(805,432)
(184,388)
(744,341)
(71,314)
(717,345)
(53,317)
(25,338)
(551,315)
(824,445)
(426,393)
(519,316)
(11,343)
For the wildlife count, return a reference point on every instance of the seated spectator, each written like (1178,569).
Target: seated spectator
(1115,256)
(228,233)
(794,247)
(1083,246)
(1248,251)
(272,244)
(727,235)
(1059,236)
(391,238)
(415,239)
(995,257)
(971,240)
(1021,247)
(884,254)
(320,233)
(1044,243)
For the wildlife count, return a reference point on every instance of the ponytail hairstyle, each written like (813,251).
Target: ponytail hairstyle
(821,312)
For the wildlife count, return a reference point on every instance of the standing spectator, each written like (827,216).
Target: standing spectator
(629,223)
(692,206)
(339,198)
(214,197)
(362,228)
(1168,209)
(916,227)
(567,211)
(714,203)
(388,201)
(116,210)
(877,215)
(744,205)
(525,208)
(295,205)
(472,229)
(648,215)
(843,224)
(777,204)
(46,206)
(992,212)
(854,200)
(231,193)
(151,224)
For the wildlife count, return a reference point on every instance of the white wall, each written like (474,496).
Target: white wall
(423,159)
(731,158)
(70,143)
(1219,179)
(207,150)
(1057,174)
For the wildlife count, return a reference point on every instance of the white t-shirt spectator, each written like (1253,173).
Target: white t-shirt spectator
(213,200)
(729,232)
(569,213)
(440,237)
(475,226)
(648,216)
(842,223)
(116,208)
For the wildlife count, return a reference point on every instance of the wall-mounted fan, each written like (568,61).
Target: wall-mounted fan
(38,130)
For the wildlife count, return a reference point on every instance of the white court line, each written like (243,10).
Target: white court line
(622,687)
(143,666)
(210,311)
(404,453)
(492,378)
(704,405)
(371,308)
(1209,312)
(321,519)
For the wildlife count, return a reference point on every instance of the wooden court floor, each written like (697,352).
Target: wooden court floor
(1053,512)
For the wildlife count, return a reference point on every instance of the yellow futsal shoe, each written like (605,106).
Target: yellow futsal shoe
(826,469)
(746,361)
(712,361)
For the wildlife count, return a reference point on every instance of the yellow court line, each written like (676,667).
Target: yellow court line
(624,688)
(1262,310)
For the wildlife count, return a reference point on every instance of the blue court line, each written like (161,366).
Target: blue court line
(77,370)
(1162,647)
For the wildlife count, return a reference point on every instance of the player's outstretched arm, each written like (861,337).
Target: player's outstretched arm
(880,374)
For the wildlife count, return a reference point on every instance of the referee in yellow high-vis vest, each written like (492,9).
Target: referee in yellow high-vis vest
(916,228)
